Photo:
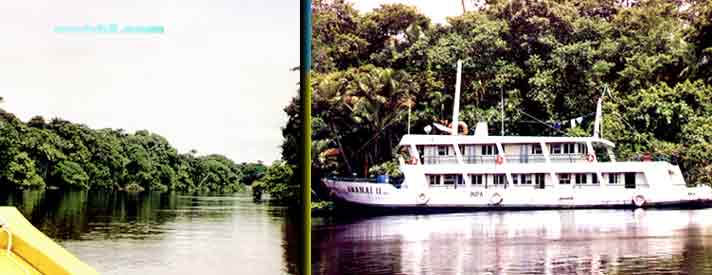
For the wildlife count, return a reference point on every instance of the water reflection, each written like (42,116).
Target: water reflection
(539,242)
(163,233)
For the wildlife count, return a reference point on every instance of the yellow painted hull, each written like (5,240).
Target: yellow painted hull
(32,252)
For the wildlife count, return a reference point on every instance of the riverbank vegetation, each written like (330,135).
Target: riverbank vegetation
(550,59)
(66,155)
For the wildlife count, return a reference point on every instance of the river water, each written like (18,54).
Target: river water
(153,233)
(535,242)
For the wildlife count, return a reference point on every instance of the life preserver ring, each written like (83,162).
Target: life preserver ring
(460,124)
(639,201)
(499,159)
(413,160)
(496,199)
(422,198)
(590,157)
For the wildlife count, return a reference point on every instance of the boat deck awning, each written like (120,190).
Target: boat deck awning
(450,139)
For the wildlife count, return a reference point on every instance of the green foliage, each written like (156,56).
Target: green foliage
(278,181)
(250,172)
(70,174)
(68,155)
(20,171)
(389,168)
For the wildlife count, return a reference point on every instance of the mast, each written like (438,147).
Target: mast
(501,109)
(456,109)
(409,118)
(597,124)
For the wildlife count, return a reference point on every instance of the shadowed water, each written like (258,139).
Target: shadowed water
(153,233)
(535,242)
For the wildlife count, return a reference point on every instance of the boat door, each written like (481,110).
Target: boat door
(566,190)
(630,180)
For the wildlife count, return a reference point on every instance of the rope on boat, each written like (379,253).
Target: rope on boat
(536,119)
(4,227)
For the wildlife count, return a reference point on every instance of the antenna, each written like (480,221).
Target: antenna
(456,109)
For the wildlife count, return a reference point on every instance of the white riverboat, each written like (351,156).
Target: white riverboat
(480,171)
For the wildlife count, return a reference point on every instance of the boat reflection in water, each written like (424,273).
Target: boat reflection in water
(534,242)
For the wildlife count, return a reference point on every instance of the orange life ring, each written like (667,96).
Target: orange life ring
(460,124)
(496,199)
(422,198)
(590,157)
(413,160)
(499,159)
(639,200)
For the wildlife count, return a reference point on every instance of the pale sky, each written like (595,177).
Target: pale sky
(437,10)
(216,80)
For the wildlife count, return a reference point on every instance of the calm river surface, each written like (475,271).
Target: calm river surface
(152,233)
(536,242)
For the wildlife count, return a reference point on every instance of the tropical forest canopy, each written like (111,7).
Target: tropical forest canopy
(551,60)
(66,155)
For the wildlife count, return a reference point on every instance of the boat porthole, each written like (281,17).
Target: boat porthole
(496,199)
(639,200)
(422,198)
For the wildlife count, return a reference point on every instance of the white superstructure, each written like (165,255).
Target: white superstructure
(482,171)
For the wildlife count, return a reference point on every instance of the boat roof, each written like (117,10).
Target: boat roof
(462,139)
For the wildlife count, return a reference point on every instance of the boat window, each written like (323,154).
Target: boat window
(421,151)
(582,149)
(450,179)
(536,149)
(564,179)
(476,179)
(499,179)
(594,178)
(515,178)
(612,178)
(568,148)
(434,179)
(488,150)
(581,179)
(442,150)
(540,180)
(556,148)
(526,179)
(468,153)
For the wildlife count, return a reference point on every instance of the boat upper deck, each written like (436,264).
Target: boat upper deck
(475,140)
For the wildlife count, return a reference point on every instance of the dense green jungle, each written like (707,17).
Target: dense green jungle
(551,61)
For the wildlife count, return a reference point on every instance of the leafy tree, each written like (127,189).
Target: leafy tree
(278,182)
(69,155)
(70,174)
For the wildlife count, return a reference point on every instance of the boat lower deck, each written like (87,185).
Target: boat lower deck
(387,196)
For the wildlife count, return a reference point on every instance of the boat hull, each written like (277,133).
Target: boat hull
(32,252)
(385,197)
